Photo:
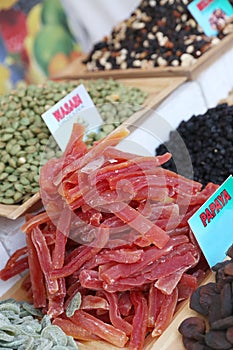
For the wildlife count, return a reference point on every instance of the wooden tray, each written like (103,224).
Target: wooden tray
(14,211)
(170,339)
(157,88)
(78,70)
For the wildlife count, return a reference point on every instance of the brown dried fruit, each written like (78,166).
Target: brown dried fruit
(217,340)
(228,270)
(229,334)
(193,327)
(223,323)
(226,300)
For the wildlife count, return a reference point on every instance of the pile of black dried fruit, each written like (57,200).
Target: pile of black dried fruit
(158,33)
(25,140)
(214,301)
(208,140)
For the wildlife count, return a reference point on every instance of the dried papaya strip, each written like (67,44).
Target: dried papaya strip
(139,321)
(115,316)
(168,283)
(140,223)
(35,221)
(155,302)
(141,164)
(101,329)
(36,275)
(102,236)
(150,255)
(95,151)
(90,279)
(15,256)
(172,265)
(91,302)
(62,232)
(18,267)
(73,330)
(166,313)
(44,257)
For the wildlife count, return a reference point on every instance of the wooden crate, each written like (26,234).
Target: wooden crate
(78,70)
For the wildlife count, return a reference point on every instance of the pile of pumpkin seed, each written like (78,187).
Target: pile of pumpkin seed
(23,327)
(24,135)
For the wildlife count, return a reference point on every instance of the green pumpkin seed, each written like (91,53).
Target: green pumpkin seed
(3,176)
(12,178)
(2,167)
(7,137)
(15,149)
(17,196)
(24,181)
(7,201)
(19,187)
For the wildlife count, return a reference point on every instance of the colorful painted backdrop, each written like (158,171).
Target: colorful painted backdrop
(35,41)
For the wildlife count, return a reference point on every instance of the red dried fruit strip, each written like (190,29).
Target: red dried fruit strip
(36,275)
(137,221)
(100,328)
(18,267)
(90,302)
(73,330)
(166,313)
(114,314)
(44,257)
(139,320)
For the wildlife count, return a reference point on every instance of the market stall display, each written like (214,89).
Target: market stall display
(208,139)
(113,240)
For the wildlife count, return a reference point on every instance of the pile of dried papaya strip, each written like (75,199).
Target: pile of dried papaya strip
(113,241)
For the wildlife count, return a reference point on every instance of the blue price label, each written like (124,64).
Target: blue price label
(212,224)
(211,15)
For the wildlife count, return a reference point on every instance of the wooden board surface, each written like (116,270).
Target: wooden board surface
(170,339)
(78,70)
(157,88)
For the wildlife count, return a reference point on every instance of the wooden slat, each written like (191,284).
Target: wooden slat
(157,88)
(78,70)
(14,211)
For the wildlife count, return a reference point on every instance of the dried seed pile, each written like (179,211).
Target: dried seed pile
(158,33)
(23,327)
(215,302)
(208,139)
(24,135)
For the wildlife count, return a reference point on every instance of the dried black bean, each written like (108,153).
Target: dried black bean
(208,141)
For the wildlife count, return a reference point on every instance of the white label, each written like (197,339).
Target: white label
(76,107)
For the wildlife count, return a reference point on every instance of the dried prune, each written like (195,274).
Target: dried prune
(223,323)
(193,327)
(230,252)
(215,301)
(195,303)
(192,344)
(228,269)
(217,340)
(226,300)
